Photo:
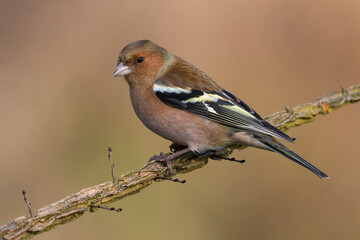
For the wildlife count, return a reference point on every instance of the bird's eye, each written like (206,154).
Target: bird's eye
(119,60)
(139,59)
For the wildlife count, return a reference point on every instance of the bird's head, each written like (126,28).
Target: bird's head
(143,62)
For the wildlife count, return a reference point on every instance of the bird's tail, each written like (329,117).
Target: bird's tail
(279,148)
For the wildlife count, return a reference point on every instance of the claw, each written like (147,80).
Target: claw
(168,158)
(163,158)
(157,157)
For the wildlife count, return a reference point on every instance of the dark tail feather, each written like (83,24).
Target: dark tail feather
(279,148)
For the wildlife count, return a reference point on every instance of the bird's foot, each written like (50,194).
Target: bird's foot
(168,158)
(163,158)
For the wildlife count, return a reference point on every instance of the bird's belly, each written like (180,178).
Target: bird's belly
(200,135)
(184,128)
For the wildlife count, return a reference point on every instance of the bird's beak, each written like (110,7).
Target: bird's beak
(122,70)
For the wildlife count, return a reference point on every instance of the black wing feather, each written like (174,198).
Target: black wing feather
(222,107)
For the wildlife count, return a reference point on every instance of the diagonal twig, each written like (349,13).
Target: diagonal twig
(28,204)
(112,165)
(75,205)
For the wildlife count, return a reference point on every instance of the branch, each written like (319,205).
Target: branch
(75,205)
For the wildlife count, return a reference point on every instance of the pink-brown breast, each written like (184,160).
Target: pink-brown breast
(176,125)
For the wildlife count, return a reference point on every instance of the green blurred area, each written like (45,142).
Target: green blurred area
(60,108)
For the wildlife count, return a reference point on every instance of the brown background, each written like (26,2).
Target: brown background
(61,108)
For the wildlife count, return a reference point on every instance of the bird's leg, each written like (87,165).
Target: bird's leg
(168,158)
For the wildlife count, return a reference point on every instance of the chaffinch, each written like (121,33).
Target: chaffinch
(181,103)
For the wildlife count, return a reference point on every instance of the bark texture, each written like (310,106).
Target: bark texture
(75,205)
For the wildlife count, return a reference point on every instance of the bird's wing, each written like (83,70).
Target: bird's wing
(205,98)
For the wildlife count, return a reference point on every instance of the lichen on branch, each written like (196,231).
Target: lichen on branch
(75,205)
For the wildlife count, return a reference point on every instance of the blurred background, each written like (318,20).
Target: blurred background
(60,108)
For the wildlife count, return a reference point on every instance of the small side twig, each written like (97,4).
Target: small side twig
(112,165)
(105,207)
(234,160)
(171,179)
(27,202)
(287,109)
(227,158)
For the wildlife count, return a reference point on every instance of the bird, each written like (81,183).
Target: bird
(181,103)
